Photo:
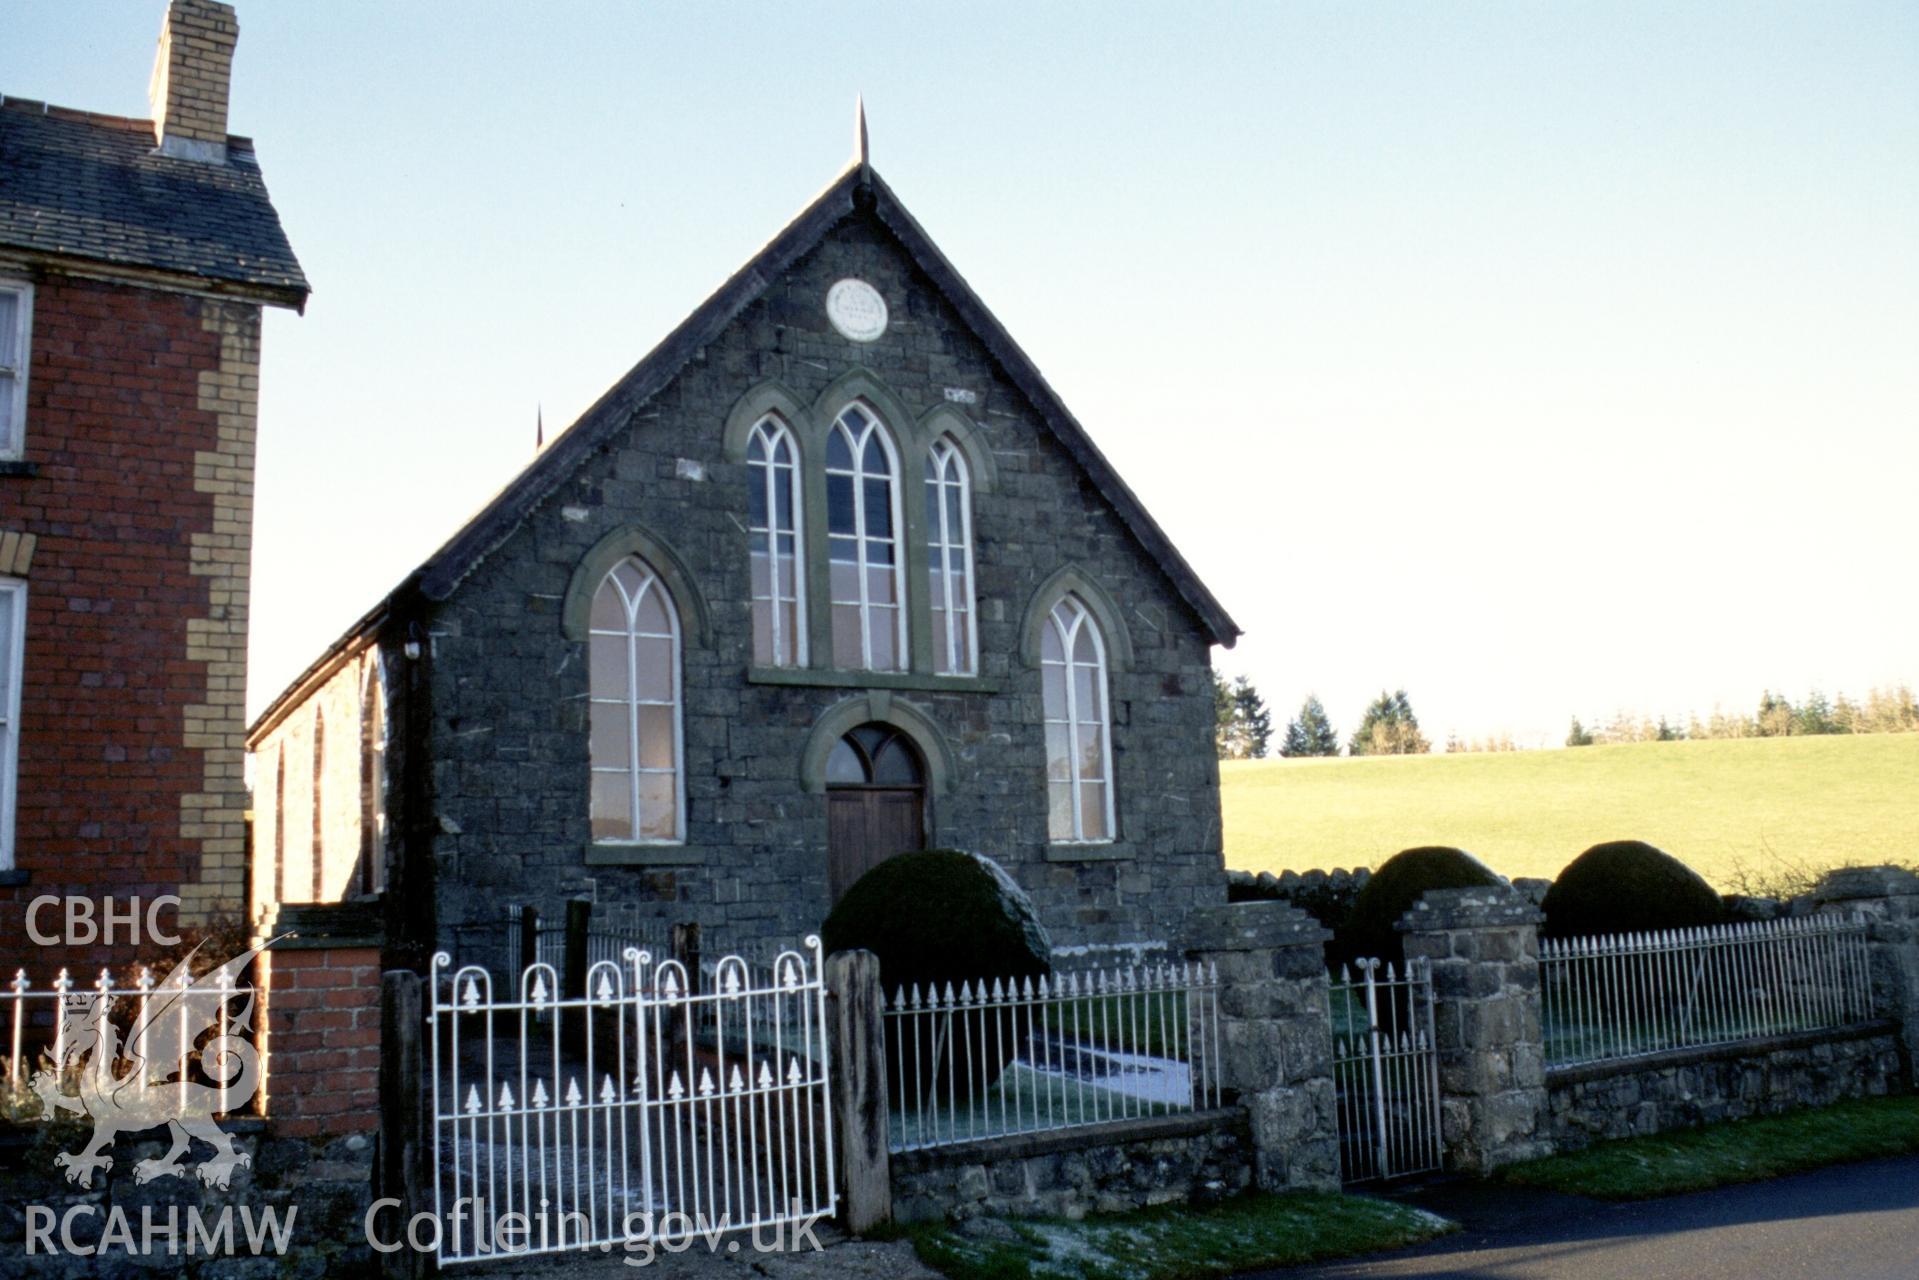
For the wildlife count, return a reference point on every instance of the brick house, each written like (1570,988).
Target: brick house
(829,575)
(135,258)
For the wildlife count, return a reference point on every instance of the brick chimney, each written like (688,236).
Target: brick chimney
(190,78)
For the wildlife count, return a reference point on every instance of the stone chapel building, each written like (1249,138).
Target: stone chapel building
(831,574)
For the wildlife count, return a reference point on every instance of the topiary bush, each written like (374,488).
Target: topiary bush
(938,917)
(1628,886)
(1391,892)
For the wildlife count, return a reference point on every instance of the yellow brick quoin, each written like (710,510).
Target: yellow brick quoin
(213,817)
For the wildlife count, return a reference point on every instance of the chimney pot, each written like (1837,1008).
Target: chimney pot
(192,71)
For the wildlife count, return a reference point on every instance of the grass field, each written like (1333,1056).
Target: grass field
(1737,1151)
(1754,807)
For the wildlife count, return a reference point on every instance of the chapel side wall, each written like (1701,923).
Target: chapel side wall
(509,691)
(284,817)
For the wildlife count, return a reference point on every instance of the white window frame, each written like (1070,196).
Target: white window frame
(632,702)
(949,467)
(876,425)
(13,379)
(15,640)
(1083,618)
(771,432)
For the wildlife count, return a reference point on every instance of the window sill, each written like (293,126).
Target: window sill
(816,678)
(642,855)
(1105,851)
(13,878)
(18,467)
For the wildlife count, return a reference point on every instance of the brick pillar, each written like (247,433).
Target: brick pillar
(320,1019)
(1484,948)
(1889,899)
(1276,1036)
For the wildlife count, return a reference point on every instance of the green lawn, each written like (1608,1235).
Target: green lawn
(1761,806)
(1739,1151)
(1175,1242)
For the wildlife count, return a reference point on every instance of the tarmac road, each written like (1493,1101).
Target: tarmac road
(1849,1222)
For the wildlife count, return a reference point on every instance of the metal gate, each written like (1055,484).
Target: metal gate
(1385,1074)
(643,1108)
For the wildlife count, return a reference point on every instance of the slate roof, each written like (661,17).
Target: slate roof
(80,185)
(858,188)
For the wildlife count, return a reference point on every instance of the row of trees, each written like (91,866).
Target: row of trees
(1888,710)
(1244,727)
(1388,727)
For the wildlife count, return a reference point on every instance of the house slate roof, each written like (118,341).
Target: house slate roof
(75,184)
(859,188)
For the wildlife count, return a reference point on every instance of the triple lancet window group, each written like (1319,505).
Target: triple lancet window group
(634,639)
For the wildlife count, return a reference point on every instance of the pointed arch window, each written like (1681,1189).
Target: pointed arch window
(949,533)
(373,779)
(1079,751)
(779,574)
(318,840)
(634,736)
(280,824)
(862,540)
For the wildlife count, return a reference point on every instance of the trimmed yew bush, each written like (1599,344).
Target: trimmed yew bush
(940,917)
(1628,886)
(1391,893)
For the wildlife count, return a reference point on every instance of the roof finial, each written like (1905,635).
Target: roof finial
(539,428)
(859,130)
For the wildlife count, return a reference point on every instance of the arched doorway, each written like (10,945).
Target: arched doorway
(875,802)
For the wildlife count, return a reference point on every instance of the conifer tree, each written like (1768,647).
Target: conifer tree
(1252,723)
(1310,733)
(1242,727)
(1222,717)
(1389,728)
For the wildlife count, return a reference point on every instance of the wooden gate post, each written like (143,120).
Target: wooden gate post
(579,921)
(402,1170)
(685,942)
(529,937)
(856,1044)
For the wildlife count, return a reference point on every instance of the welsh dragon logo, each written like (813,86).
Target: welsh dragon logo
(127,1087)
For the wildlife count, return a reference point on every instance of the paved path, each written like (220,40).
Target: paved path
(1856,1222)
(838,1259)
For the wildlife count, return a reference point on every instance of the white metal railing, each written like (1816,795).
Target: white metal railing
(1627,995)
(1006,1056)
(761,958)
(49,1028)
(1094,955)
(607,943)
(1385,1073)
(605,1119)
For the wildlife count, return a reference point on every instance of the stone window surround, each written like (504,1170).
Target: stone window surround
(630,701)
(576,610)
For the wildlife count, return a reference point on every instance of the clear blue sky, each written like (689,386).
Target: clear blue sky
(1543,359)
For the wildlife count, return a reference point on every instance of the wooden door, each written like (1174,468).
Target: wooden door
(875,804)
(865,827)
